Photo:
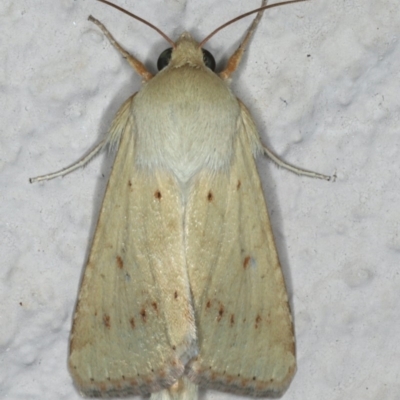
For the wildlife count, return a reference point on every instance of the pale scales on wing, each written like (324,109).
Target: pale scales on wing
(244,326)
(135,256)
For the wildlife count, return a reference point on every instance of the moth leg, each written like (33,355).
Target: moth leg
(118,126)
(133,62)
(65,171)
(236,57)
(292,168)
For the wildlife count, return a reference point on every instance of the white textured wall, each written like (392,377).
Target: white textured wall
(323,83)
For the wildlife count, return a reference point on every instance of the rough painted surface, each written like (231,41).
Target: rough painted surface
(322,81)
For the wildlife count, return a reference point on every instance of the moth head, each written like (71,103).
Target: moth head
(186,52)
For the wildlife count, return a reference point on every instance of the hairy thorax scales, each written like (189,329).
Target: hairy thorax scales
(185,119)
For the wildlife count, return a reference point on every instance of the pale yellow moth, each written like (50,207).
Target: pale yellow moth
(183,286)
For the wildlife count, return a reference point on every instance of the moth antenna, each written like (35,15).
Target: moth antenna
(144,21)
(242,16)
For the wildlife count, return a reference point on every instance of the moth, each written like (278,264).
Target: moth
(183,286)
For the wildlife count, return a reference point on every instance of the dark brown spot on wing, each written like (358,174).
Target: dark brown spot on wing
(155,306)
(157,195)
(238,185)
(175,295)
(258,320)
(220,312)
(210,196)
(232,320)
(106,321)
(120,262)
(208,305)
(246,262)
(132,322)
(143,314)
(129,183)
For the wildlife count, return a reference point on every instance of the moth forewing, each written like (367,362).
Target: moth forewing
(245,332)
(135,284)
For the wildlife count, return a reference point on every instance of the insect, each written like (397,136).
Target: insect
(183,286)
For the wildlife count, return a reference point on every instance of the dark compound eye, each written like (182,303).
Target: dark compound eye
(165,58)
(208,59)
